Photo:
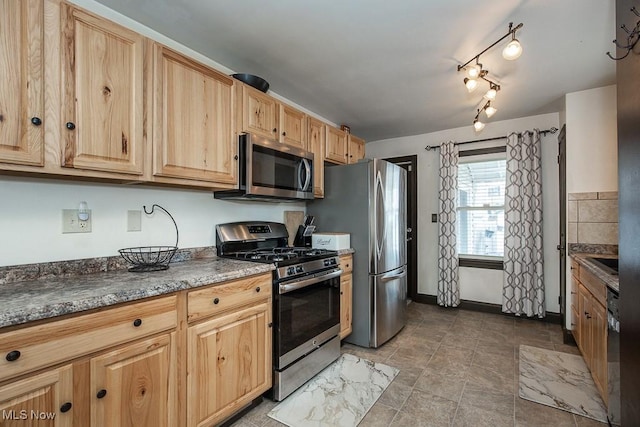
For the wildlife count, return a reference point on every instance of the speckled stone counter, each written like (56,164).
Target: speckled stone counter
(609,279)
(42,298)
(346,251)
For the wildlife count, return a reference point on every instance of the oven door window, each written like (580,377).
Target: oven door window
(275,169)
(304,313)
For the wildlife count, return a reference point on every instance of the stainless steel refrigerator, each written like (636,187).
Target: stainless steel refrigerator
(368,200)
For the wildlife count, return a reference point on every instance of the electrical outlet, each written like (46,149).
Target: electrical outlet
(134,220)
(71,223)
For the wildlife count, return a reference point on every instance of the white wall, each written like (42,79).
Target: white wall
(592,140)
(477,284)
(31,218)
(592,148)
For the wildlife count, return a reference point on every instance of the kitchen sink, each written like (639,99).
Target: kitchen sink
(609,264)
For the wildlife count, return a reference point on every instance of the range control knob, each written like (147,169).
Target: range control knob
(327,263)
(291,271)
(299,269)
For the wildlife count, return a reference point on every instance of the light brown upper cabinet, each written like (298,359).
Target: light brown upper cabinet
(193,134)
(293,127)
(257,112)
(336,150)
(102,94)
(21,85)
(356,149)
(316,144)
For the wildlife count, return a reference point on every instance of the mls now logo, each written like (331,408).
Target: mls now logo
(27,415)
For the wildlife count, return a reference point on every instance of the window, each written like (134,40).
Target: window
(481,195)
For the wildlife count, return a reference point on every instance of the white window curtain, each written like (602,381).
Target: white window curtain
(448,289)
(523,291)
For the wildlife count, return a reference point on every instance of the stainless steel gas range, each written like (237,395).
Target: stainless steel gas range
(306,302)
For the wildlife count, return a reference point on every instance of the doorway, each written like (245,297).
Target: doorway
(409,163)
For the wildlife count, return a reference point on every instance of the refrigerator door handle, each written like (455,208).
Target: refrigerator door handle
(379,216)
(389,277)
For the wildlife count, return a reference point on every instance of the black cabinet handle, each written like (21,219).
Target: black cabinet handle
(70,125)
(137,322)
(66,407)
(284,134)
(275,130)
(102,393)
(216,300)
(588,316)
(235,157)
(12,356)
(270,324)
(258,289)
(36,121)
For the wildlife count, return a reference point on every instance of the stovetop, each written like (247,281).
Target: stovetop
(282,256)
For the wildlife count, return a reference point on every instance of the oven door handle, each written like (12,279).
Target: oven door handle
(284,288)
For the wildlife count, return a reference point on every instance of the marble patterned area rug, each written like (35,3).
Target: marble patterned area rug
(340,395)
(559,380)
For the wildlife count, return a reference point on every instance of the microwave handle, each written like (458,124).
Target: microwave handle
(307,174)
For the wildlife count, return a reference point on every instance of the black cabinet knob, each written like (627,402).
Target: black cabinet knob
(70,125)
(12,356)
(258,289)
(216,300)
(275,130)
(36,121)
(65,407)
(270,324)
(102,393)
(235,157)
(284,134)
(137,322)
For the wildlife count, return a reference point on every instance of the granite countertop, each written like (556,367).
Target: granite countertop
(346,251)
(609,279)
(29,300)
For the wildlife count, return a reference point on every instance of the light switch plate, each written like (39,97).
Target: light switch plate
(71,223)
(134,220)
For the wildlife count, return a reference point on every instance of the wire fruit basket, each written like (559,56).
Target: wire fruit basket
(151,258)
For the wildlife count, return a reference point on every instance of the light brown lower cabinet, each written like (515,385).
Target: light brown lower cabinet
(589,323)
(143,364)
(346,295)
(45,399)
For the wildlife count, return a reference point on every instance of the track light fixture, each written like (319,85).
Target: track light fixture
(475,72)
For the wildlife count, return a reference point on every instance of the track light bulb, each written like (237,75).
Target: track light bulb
(491,94)
(478,125)
(473,71)
(470,84)
(513,50)
(490,111)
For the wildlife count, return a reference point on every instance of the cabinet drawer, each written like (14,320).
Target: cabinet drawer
(575,267)
(346,263)
(219,298)
(36,347)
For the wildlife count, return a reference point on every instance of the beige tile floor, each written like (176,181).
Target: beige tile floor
(457,368)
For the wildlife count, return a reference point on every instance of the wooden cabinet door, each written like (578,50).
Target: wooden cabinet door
(43,400)
(259,113)
(193,133)
(102,94)
(316,144)
(336,148)
(584,307)
(346,297)
(293,127)
(134,386)
(228,363)
(21,85)
(599,347)
(356,149)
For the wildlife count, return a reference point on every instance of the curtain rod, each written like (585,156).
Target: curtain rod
(543,132)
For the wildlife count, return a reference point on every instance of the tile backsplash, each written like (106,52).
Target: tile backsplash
(593,218)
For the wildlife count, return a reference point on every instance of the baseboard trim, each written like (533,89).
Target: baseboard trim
(231,420)
(485,308)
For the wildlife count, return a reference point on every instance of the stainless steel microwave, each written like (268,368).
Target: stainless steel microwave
(270,170)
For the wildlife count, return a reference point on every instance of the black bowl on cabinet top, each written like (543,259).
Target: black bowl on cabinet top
(254,81)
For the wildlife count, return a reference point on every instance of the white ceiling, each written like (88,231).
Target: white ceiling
(388,68)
